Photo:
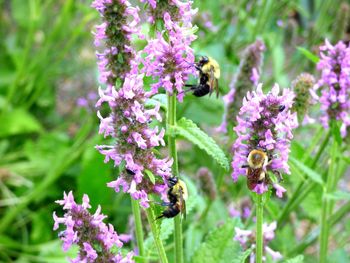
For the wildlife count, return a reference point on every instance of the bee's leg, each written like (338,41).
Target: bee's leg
(162,203)
(245,166)
(279,176)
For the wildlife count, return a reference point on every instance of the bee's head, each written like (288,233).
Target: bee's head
(257,159)
(203,60)
(172,181)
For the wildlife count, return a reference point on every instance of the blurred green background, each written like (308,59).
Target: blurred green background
(47,62)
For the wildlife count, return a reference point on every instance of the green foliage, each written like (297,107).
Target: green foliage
(297,259)
(309,55)
(47,144)
(18,122)
(219,246)
(190,131)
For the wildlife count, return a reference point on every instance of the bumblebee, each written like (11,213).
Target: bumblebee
(177,195)
(256,168)
(257,161)
(209,74)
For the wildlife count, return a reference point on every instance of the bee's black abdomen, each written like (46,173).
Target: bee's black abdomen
(172,211)
(201,90)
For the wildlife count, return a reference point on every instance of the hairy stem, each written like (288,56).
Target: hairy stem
(155,232)
(259,223)
(138,226)
(171,121)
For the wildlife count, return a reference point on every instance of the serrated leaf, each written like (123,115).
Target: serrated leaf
(338,195)
(313,175)
(219,246)
(309,55)
(190,131)
(150,176)
(297,259)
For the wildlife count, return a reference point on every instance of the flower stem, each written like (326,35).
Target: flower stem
(138,226)
(259,223)
(171,121)
(155,232)
(328,204)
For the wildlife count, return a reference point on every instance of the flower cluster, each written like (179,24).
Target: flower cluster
(95,239)
(115,32)
(247,77)
(169,57)
(247,240)
(334,85)
(301,87)
(128,121)
(265,123)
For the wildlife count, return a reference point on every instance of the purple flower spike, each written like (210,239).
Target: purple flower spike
(265,123)
(96,241)
(334,85)
(128,120)
(169,58)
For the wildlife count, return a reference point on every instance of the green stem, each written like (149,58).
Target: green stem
(138,226)
(171,121)
(155,232)
(328,204)
(259,232)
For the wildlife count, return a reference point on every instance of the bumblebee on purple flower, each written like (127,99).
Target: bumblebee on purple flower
(264,133)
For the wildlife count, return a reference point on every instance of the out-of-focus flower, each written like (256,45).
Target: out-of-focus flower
(246,79)
(96,240)
(169,56)
(334,85)
(341,21)
(241,209)
(265,123)
(302,101)
(128,121)
(87,102)
(207,182)
(247,240)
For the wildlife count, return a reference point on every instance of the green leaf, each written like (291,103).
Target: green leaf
(150,176)
(160,99)
(336,132)
(18,121)
(309,55)
(297,259)
(338,195)
(93,178)
(219,245)
(313,175)
(190,131)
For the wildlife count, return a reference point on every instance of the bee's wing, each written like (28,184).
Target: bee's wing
(217,87)
(182,204)
(214,83)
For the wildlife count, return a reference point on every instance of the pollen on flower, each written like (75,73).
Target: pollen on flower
(265,123)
